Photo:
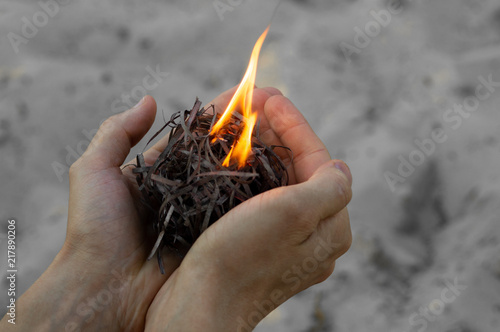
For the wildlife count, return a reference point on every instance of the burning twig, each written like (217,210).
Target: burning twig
(189,189)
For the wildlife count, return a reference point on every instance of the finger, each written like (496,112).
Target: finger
(269,137)
(119,133)
(335,234)
(292,129)
(272,91)
(327,192)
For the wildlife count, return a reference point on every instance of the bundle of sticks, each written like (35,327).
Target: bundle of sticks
(187,188)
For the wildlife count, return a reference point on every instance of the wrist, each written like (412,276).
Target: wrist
(201,298)
(64,298)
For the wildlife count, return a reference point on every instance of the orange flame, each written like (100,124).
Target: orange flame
(242,99)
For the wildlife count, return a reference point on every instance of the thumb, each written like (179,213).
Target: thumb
(301,206)
(119,133)
(328,191)
(324,194)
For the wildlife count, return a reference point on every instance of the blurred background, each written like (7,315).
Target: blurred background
(405,91)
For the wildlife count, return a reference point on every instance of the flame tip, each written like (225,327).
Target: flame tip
(242,99)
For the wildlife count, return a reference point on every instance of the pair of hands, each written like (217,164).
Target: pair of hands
(253,259)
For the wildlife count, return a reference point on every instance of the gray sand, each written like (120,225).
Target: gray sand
(397,101)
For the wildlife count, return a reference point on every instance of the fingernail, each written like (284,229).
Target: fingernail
(341,166)
(139,104)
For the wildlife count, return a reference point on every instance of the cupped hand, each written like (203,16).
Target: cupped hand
(106,237)
(268,248)
(254,258)
(100,280)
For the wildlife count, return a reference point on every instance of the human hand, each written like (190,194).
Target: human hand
(100,280)
(268,248)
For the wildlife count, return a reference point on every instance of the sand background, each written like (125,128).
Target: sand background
(438,226)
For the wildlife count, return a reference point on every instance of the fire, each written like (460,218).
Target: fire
(242,100)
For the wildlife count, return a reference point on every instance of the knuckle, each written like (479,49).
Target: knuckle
(348,241)
(105,128)
(291,203)
(78,167)
(275,91)
(345,245)
(299,211)
(109,122)
(345,234)
(345,191)
(73,169)
(326,272)
(297,219)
